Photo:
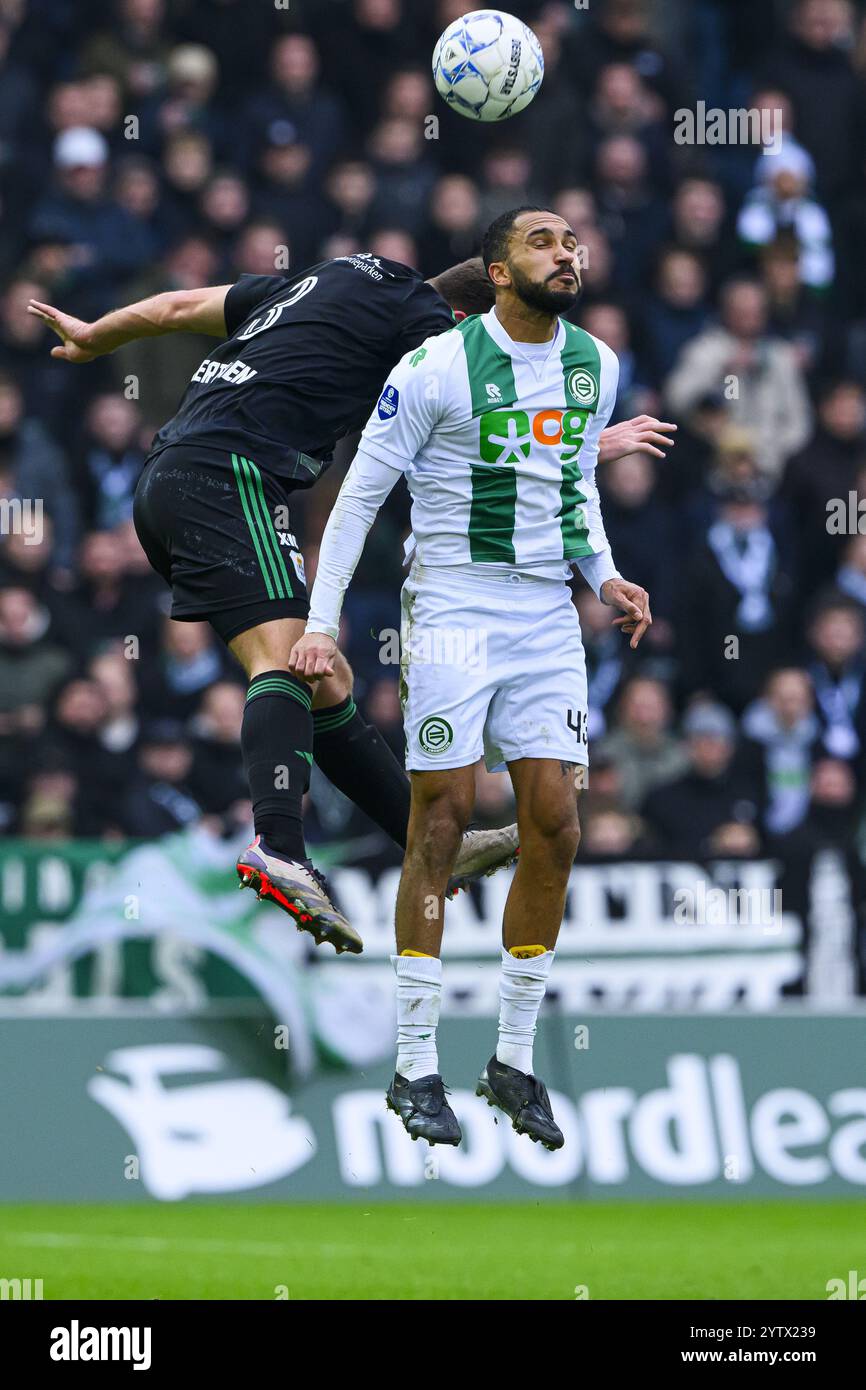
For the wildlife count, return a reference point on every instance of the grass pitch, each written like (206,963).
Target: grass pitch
(411,1251)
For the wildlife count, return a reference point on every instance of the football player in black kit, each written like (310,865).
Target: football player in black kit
(302,362)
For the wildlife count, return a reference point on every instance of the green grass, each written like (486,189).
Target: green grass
(409,1250)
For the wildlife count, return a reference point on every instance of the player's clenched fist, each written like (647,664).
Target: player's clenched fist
(634,602)
(313,655)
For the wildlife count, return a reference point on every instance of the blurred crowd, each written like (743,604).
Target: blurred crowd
(156,144)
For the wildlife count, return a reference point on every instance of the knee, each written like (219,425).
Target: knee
(436,828)
(553,833)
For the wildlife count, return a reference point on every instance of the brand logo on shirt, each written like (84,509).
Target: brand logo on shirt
(507,435)
(583,386)
(389,403)
(435,735)
(494,395)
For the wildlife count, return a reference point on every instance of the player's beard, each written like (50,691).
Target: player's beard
(541,295)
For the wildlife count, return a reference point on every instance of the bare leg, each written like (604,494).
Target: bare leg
(549,836)
(441,806)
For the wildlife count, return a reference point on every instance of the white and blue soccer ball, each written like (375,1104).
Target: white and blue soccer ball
(488,65)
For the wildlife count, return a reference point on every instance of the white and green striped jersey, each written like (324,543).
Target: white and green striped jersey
(499,440)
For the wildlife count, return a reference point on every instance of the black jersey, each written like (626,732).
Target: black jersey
(305,359)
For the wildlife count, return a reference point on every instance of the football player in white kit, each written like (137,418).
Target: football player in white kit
(496,426)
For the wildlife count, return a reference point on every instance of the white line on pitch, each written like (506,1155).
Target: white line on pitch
(155,1245)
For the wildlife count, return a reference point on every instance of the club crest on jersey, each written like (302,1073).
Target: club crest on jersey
(389,403)
(583,386)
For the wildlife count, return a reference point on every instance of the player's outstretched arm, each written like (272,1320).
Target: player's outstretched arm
(642,435)
(175,311)
(365,487)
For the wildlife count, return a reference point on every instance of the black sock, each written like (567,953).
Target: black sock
(277,746)
(355,757)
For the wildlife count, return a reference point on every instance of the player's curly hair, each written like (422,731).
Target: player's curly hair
(466,287)
(494,246)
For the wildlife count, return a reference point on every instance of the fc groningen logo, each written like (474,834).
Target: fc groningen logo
(583,386)
(435,735)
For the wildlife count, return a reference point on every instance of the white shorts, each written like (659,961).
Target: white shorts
(492,664)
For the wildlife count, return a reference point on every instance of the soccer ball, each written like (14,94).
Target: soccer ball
(488,65)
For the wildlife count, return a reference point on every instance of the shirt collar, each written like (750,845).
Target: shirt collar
(509,344)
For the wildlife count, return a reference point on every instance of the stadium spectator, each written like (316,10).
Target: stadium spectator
(820,477)
(812,63)
(31,661)
(34,470)
(836,639)
(630,207)
(851,575)
(455,223)
(642,534)
(216,778)
(763,387)
(783,726)
(103,244)
(108,462)
(676,312)
(187,663)
(736,611)
(794,313)
(107,603)
(641,746)
(684,815)
(158,800)
(782,201)
(296,102)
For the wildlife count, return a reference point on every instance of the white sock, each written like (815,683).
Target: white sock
(521,990)
(419,993)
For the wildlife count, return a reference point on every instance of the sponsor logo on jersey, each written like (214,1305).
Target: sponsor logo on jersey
(366,261)
(507,435)
(235,372)
(417,357)
(435,735)
(389,403)
(583,386)
(288,538)
(494,395)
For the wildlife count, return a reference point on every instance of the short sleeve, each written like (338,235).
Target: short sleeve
(406,411)
(425,315)
(245,295)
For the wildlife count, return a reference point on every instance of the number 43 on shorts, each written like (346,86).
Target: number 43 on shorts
(576,720)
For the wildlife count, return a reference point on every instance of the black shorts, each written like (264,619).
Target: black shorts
(217,529)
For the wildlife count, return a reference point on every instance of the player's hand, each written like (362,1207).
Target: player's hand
(642,435)
(634,602)
(313,655)
(73,333)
